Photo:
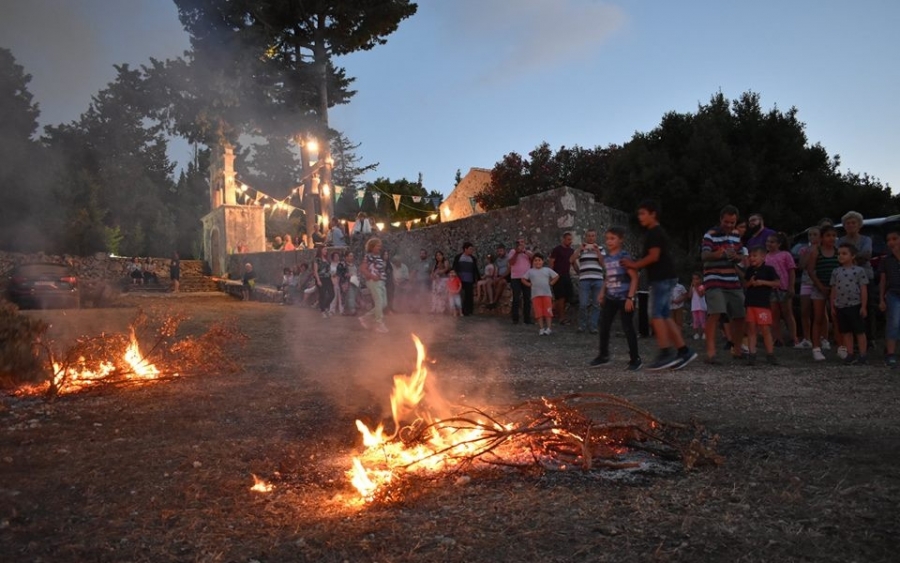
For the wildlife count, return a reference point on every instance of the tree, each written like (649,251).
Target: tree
(27,208)
(115,173)
(294,43)
(272,166)
(348,170)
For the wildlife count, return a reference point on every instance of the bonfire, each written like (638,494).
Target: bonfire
(584,430)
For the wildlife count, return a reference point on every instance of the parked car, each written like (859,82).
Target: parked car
(44,286)
(876,229)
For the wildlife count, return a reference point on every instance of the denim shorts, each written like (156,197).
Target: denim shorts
(661,298)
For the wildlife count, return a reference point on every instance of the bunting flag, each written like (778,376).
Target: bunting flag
(300,191)
(397,201)
(473,203)
(360,194)
(408,225)
(416,198)
(337,192)
(376,196)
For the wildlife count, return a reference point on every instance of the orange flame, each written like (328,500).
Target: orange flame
(442,448)
(260,486)
(140,367)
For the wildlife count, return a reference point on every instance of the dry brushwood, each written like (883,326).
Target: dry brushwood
(100,359)
(589,430)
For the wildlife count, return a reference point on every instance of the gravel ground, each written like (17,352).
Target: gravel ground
(162,472)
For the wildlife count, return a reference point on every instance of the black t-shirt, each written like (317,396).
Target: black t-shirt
(664,268)
(760,295)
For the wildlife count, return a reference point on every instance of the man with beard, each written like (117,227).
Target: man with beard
(757,232)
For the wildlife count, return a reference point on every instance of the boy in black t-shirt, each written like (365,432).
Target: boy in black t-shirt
(760,280)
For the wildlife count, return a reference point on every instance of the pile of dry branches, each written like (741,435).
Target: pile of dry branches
(583,430)
(171,355)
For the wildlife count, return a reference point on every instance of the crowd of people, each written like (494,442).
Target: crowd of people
(146,271)
(744,292)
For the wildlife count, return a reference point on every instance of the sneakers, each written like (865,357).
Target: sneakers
(548,332)
(364,322)
(855,360)
(803,344)
(826,345)
(324,314)
(599,361)
(381,328)
(818,355)
(751,359)
(891,361)
(684,359)
(842,353)
(666,359)
(542,332)
(635,365)
(771,360)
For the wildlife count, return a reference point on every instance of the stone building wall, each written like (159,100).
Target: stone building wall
(541,219)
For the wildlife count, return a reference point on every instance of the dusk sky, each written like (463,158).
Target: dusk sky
(464,82)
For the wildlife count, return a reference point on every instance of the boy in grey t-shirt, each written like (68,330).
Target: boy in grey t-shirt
(540,279)
(849,298)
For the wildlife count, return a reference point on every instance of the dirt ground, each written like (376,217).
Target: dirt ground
(163,472)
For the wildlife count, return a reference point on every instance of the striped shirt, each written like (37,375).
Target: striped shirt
(825,265)
(721,273)
(589,267)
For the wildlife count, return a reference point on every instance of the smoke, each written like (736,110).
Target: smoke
(515,39)
(70,48)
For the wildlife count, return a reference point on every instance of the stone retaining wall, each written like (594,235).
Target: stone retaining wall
(541,219)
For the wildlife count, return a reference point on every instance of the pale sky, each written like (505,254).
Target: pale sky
(464,82)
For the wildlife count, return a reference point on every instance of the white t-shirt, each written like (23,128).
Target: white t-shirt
(540,281)
(677,293)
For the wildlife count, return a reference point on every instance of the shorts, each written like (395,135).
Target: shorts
(542,307)
(728,301)
(849,320)
(760,316)
(563,289)
(806,290)
(661,298)
(779,296)
(817,295)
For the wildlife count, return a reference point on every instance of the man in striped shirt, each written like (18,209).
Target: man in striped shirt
(721,253)
(588,263)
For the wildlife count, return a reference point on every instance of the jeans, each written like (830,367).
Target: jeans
(352,290)
(379,299)
(610,309)
(661,298)
(892,330)
(521,296)
(468,298)
(588,308)
(326,294)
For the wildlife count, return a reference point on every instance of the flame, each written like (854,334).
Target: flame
(442,448)
(260,486)
(140,367)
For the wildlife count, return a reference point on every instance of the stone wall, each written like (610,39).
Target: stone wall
(541,219)
(98,274)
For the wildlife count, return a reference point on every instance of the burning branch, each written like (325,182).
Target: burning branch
(587,430)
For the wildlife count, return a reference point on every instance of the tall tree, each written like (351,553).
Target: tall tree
(348,169)
(27,206)
(295,43)
(117,171)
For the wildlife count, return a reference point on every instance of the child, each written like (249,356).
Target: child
(454,289)
(288,284)
(673,353)
(889,289)
(806,288)
(849,298)
(540,279)
(698,306)
(484,288)
(679,296)
(783,296)
(761,279)
(617,296)
(820,266)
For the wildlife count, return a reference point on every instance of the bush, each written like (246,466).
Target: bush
(20,352)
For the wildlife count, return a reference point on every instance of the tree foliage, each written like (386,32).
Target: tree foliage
(348,169)
(727,152)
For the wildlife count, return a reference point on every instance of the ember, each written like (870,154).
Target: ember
(586,430)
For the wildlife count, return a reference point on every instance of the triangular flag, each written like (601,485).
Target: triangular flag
(417,198)
(397,201)
(408,225)
(360,194)
(473,203)
(338,191)
(376,196)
